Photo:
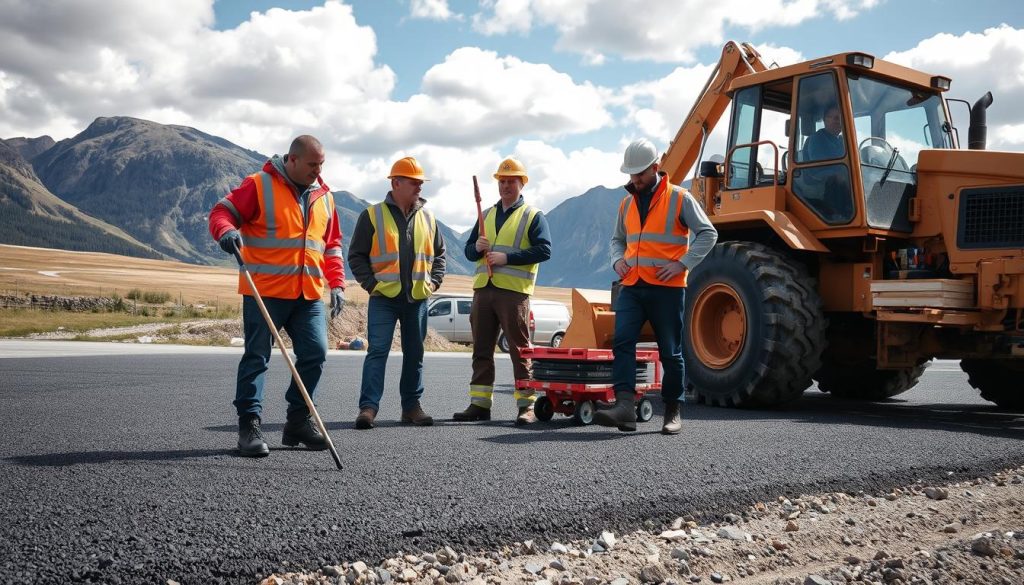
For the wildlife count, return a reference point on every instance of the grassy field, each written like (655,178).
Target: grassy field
(43,271)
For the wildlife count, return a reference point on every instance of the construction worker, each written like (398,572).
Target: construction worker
(507,261)
(283,221)
(651,253)
(398,256)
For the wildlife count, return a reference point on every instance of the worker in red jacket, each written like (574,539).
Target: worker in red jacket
(283,221)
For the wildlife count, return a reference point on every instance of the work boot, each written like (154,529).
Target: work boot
(474,412)
(621,415)
(250,437)
(673,423)
(416,416)
(526,416)
(301,429)
(365,419)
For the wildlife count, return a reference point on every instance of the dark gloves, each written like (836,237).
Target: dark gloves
(230,241)
(337,301)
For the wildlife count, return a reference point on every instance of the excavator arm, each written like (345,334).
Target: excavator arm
(737,60)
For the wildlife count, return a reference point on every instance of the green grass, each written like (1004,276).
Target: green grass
(22,322)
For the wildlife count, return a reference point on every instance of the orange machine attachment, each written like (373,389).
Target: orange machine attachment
(593,321)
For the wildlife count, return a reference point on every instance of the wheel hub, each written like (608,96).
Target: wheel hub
(718,326)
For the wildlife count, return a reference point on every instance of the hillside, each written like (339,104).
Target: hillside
(32,216)
(580,250)
(156,182)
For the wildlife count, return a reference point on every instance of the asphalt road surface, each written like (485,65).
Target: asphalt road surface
(117,465)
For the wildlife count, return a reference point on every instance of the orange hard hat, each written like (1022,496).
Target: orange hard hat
(511,167)
(407,167)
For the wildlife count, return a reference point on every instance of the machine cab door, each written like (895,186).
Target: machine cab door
(821,172)
(756,163)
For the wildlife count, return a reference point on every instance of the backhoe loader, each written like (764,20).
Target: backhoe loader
(853,265)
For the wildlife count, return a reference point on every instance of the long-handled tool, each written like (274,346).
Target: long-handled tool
(482,229)
(287,358)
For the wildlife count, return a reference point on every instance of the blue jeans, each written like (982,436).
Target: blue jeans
(382,313)
(663,306)
(306,324)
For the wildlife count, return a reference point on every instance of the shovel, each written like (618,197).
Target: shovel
(287,358)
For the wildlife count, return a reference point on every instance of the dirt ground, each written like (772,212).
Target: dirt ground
(969,532)
(60,272)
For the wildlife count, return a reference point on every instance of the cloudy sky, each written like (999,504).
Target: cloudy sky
(561,84)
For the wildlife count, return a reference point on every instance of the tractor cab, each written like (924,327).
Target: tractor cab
(832,142)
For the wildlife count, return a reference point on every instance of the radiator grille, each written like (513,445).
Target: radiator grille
(991,218)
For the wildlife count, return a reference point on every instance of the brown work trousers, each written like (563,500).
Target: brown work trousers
(496,310)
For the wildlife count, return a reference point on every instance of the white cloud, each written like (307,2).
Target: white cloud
(432,10)
(506,16)
(656,30)
(992,60)
(475,98)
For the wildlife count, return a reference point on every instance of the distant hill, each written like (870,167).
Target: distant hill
(154,181)
(32,216)
(580,248)
(149,188)
(29,148)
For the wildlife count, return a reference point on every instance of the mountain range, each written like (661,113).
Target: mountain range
(139,188)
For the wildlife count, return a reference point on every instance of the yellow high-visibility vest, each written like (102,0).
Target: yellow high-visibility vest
(384,257)
(513,237)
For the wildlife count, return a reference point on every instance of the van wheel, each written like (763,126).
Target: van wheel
(503,343)
(556,341)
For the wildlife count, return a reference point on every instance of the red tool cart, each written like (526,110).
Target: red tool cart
(573,380)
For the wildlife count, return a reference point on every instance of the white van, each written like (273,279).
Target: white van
(448,314)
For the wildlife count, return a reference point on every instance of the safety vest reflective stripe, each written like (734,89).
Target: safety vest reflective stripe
(285,243)
(520,278)
(283,249)
(231,207)
(284,270)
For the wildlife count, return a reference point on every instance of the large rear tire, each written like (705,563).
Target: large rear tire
(848,366)
(755,327)
(998,380)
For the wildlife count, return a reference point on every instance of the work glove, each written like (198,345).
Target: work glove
(337,301)
(230,241)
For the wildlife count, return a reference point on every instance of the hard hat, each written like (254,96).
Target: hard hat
(407,167)
(511,167)
(640,154)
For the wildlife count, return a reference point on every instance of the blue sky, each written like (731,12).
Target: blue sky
(561,84)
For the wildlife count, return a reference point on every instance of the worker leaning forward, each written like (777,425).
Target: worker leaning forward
(518,241)
(651,254)
(284,223)
(397,255)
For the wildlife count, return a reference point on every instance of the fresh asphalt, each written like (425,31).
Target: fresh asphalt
(117,465)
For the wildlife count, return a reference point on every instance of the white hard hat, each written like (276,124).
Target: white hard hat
(640,154)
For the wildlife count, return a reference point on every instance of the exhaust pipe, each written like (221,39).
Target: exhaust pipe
(978,131)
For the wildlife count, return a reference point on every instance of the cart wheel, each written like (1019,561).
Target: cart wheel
(644,410)
(584,413)
(544,409)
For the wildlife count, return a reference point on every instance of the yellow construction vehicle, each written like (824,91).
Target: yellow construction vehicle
(857,238)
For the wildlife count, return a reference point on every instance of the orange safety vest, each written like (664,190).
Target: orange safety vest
(283,252)
(663,238)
